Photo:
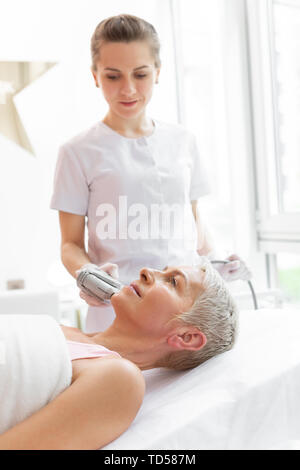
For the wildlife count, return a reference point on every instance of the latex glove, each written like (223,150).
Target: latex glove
(235,270)
(109,268)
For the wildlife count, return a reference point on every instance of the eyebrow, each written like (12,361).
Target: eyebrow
(117,70)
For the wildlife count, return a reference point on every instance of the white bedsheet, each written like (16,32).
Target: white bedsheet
(246,398)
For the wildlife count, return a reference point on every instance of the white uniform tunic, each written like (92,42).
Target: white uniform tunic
(102,174)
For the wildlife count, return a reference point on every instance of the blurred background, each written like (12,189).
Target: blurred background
(230,73)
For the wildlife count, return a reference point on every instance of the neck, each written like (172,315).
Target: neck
(139,126)
(144,352)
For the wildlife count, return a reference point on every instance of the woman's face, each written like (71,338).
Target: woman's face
(157,297)
(126,74)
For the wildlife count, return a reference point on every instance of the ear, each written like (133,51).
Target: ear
(95,77)
(191,338)
(157,75)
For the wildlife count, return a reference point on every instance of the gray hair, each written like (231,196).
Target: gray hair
(215,313)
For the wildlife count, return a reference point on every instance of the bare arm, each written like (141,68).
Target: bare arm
(204,243)
(98,407)
(73,252)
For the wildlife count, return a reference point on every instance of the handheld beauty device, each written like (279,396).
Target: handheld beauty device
(93,281)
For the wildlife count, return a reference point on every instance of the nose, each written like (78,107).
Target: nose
(128,87)
(147,276)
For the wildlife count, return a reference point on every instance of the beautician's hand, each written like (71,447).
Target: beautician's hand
(235,270)
(109,268)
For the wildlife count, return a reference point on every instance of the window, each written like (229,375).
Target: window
(274,35)
(274,41)
(288,266)
(286,72)
(239,75)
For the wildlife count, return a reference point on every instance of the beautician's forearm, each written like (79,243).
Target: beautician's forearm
(204,239)
(205,249)
(73,257)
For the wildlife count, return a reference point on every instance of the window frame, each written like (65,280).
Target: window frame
(276,231)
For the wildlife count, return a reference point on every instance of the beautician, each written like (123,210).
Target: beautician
(126,164)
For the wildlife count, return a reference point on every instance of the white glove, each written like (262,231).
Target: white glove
(235,270)
(109,268)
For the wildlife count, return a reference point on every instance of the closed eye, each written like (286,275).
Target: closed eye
(173,281)
(114,77)
(171,277)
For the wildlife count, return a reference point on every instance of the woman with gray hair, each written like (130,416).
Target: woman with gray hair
(177,318)
(215,313)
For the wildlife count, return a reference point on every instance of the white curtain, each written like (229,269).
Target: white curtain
(217,108)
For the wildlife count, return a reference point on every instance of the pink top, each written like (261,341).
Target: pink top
(85,350)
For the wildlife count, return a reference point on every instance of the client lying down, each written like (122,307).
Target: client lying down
(175,318)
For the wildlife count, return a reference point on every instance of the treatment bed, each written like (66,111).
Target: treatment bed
(246,398)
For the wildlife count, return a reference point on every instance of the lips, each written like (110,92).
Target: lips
(128,103)
(135,288)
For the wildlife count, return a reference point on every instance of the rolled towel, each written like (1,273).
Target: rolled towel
(35,365)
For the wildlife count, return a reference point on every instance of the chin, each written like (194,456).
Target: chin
(115,300)
(120,302)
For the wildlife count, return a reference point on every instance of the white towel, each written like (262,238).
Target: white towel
(35,365)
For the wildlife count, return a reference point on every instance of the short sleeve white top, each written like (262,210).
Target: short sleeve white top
(100,169)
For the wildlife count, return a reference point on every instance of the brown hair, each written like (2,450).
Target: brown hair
(124,28)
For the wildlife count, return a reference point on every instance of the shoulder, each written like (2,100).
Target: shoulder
(115,388)
(120,365)
(85,135)
(122,369)
(110,370)
(125,386)
(125,370)
(86,141)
